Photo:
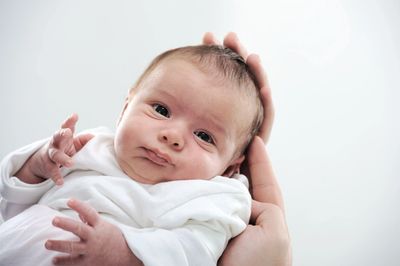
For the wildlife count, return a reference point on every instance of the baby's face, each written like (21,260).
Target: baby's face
(181,124)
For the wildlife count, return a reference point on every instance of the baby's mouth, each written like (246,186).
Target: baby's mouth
(158,158)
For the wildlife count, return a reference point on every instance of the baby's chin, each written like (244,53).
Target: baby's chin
(131,173)
(139,178)
(145,176)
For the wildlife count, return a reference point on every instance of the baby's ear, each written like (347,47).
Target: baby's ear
(234,167)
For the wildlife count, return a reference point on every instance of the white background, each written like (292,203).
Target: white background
(334,67)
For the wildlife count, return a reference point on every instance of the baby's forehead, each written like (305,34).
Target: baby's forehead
(211,70)
(239,95)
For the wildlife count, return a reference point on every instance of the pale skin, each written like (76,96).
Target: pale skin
(265,241)
(182,122)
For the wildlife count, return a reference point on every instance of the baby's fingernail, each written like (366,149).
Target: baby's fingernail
(59,182)
(47,244)
(62,132)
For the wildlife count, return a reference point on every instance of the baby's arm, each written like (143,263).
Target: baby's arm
(46,162)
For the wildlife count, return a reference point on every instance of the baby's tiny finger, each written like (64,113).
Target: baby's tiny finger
(70,247)
(76,227)
(81,140)
(87,213)
(52,171)
(57,179)
(62,138)
(70,122)
(59,157)
(68,260)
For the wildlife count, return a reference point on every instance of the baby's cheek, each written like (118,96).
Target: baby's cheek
(208,168)
(120,142)
(123,134)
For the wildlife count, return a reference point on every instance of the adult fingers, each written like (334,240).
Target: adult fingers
(78,228)
(232,41)
(85,211)
(209,39)
(70,122)
(269,114)
(254,63)
(260,209)
(264,185)
(256,210)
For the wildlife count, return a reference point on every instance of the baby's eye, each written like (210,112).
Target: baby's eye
(204,136)
(162,110)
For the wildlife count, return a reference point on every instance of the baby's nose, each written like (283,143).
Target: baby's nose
(172,138)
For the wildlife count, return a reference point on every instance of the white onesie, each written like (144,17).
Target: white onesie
(186,222)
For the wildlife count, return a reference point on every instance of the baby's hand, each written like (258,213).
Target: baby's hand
(56,153)
(100,242)
(46,162)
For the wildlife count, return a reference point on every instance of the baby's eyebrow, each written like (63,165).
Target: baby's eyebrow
(216,125)
(209,118)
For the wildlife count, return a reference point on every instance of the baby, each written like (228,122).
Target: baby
(163,178)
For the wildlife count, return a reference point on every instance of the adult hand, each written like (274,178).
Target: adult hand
(253,61)
(101,243)
(266,239)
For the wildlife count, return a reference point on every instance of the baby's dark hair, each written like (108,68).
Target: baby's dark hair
(223,63)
